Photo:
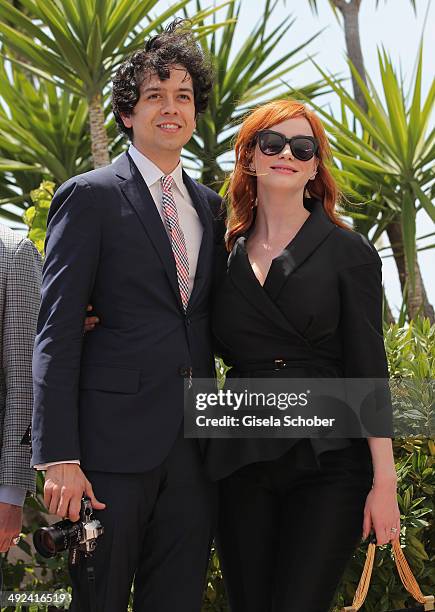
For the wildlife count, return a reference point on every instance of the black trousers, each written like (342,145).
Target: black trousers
(158,528)
(287,529)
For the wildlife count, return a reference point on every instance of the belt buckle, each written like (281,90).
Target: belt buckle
(280,364)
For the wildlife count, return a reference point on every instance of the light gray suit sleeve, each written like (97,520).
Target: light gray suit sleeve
(14,496)
(21,307)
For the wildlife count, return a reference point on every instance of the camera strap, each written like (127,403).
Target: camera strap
(91,583)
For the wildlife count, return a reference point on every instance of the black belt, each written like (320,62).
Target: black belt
(281,364)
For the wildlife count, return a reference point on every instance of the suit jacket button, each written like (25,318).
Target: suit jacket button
(183,371)
(188,321)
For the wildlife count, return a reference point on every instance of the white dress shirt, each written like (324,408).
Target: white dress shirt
(187,217)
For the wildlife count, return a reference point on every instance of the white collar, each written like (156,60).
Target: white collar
(152,173)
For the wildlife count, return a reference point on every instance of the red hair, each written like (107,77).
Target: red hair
(242,191)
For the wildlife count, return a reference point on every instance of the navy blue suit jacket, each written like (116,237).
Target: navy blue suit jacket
(113,398)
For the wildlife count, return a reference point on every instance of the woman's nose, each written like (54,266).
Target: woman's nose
(286,152)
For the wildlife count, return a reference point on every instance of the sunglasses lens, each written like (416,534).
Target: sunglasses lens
(271,144)
(303,148)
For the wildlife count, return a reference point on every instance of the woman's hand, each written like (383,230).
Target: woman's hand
(90,322)
(381,511)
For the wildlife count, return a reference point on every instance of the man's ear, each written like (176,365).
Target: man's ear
(126,120)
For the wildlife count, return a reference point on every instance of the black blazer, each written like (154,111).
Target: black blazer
(320,309)
(114,398)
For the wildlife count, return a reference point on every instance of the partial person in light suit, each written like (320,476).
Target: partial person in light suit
(20,282)
(108,412)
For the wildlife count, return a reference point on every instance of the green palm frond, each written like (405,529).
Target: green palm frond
(43,133)
(79,43)
(244,78)
(386,157)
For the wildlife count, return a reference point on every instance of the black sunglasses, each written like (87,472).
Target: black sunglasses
(272,143)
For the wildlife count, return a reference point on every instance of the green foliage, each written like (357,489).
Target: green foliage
(82,41)
(243,79)
(76,45)
(385,155)
(214,597)
(36,216)
(411,350)
(411,356)
(43,133)
(44,127)
(415,465)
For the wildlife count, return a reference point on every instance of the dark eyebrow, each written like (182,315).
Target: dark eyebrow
(148,89)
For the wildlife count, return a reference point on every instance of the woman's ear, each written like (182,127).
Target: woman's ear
(250,162)
(313,176)
(249,158)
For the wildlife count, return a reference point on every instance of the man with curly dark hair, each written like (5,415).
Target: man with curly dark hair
(134,239)
(174,47)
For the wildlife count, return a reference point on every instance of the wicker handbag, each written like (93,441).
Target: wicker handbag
(426,602)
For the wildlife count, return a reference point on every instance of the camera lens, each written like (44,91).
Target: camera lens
(49,541)
(46,543)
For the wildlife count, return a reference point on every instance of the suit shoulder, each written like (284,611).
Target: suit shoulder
(9,238)
(212,197)
(18,253)
(99,177)
(217,210)
(353,249)
(90,190)
(13,242)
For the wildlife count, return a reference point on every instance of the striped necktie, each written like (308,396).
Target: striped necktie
(176,236)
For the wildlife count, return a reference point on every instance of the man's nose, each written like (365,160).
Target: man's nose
(169,107)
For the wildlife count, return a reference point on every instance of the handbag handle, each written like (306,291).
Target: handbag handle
(405,574)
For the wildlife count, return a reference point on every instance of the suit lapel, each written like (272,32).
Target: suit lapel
(139,197)
(244,280)
(308,239)
(203,268)
(314,231)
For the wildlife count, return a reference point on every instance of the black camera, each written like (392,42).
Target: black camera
(78,537)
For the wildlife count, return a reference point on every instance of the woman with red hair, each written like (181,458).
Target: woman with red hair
(300,295)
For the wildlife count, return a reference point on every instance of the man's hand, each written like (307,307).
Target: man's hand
(11,519)
(90,322)
(64,487)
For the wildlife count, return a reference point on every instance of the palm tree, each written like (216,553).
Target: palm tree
(350,14)
(43,134)
(77,44)
(387,160)
(240,83)
(349,10)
